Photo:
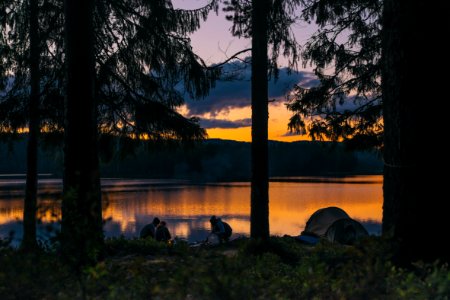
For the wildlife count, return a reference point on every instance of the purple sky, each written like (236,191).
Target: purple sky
(226,113)
(214,42)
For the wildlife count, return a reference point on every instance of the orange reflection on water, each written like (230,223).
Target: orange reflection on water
(291,205)
(187,208)
(11,210)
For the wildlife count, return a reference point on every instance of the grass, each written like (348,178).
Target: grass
(244,269)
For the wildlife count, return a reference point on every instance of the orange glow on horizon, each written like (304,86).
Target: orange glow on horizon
(278,121)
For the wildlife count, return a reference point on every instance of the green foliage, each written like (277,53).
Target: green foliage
(24,276)
(121,246)
(286,249)
(281,269)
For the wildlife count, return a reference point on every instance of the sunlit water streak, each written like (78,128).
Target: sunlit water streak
(186,207)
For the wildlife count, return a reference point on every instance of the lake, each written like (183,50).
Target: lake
(129,204)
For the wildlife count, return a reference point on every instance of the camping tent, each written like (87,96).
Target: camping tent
(333,224)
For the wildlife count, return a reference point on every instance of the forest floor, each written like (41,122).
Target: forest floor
(283,268)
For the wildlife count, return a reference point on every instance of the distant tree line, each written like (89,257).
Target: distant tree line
(211,160)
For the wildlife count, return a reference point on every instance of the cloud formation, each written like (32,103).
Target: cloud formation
(228,95)
(221,123)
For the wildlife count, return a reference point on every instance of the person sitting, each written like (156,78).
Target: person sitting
(149,230)
(162,233)
(221,229)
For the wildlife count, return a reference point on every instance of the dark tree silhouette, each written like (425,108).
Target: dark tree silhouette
(393,87)
(22,60)
(145,67)
(413,209)
(16,57)
(142,54)
(138,83)
(267,23)
(345,52)
(259,227)
(81,225)
(29,242)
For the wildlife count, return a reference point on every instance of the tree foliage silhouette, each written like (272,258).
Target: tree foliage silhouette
(345,52)
(22,53)
(143,66)
(144,62)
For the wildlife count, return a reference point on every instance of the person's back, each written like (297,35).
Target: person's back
(221,229)
(218,227)
(149,230)
(228,231)
(162,233)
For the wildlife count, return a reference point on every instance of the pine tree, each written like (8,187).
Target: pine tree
(259,227)
(142,64)
(368,100)
(146,51)
(267,23)
(21,56)
(30,206)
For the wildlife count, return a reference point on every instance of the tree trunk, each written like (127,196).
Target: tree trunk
(81,228)
(413,207)
(30,206)
(259,227)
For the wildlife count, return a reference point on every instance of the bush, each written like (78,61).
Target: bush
(281,268)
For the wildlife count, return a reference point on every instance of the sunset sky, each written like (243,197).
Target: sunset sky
(226,112)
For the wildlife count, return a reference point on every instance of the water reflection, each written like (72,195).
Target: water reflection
(130,204)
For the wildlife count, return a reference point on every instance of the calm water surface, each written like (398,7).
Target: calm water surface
(186,207)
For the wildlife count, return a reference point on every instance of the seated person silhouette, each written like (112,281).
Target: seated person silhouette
(221,229)
(149,230)
(162,233)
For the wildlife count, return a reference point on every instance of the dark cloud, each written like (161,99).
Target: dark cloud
(236,93)
(220,123)
(286,81)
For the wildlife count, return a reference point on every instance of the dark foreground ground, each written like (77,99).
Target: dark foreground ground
(242,269)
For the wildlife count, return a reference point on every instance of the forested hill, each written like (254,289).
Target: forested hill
(211,160)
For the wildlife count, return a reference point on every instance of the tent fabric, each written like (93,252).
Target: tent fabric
(345,231)
(308,239)
(322,219)
(334,224)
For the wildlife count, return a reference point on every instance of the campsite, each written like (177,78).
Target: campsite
(335,265)
(223,149)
